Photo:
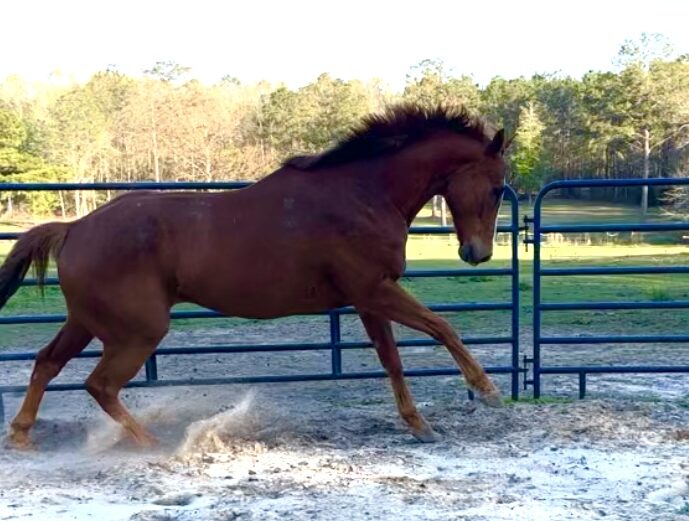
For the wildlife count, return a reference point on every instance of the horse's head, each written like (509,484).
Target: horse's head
(474,193)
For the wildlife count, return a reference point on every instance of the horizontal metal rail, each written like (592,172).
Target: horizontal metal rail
(262,348)
(206,313)
(602,228)
(124,186)
(616,369)
(621,270)
(459,272)
(593,306)
(265,379)
(414,230)
(615,339)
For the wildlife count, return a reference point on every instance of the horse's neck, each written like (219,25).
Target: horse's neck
(412,181)
(415,175)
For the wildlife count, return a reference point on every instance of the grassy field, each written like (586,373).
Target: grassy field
(429,252)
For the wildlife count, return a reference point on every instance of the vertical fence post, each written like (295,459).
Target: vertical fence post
(582,385)
(151,369)
(515,294)
(537,295)
(335,337)
(2,410)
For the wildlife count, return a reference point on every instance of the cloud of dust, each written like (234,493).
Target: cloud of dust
(245,421)
(164,411)
(188,426)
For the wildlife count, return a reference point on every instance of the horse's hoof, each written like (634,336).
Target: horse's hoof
(426,435)
(20,442)
(493,399)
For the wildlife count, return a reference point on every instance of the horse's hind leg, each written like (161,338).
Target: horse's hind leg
(380,332)
(119,364)
(68,343)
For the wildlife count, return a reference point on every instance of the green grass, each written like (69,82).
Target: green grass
(428,252)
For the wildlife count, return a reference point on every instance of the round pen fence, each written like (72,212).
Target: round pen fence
(533,358)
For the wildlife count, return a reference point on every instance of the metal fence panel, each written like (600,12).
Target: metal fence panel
(539,306)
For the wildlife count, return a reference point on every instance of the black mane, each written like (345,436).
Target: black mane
(396,127)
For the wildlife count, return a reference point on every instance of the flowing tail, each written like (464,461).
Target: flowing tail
(35,246)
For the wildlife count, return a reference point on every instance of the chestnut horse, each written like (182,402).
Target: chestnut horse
(321,232)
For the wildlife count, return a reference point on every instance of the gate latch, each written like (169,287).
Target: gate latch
(526,363)
(528,239)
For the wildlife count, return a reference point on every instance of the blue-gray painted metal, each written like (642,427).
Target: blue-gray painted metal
(507,370)
(539,229)
(56,318)
(335,344)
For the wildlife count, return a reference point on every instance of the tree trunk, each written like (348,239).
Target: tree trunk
(154,143)
(156,162)
(77,203)
(647,171)
(434,206)
(63,209)
(443,212)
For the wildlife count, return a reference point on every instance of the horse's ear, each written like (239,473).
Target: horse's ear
(498,145)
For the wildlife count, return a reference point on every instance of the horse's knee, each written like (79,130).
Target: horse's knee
(44,372)
(46,366)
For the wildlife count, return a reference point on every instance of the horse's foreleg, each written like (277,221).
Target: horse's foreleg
(392,302)
(380,332)
(69,342)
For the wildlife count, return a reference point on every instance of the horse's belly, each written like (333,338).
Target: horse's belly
(265,297)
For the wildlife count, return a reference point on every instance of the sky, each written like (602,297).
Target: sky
(293,41)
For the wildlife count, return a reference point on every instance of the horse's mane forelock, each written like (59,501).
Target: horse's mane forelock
(396,127)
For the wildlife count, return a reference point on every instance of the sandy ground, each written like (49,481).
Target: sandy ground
(336,450)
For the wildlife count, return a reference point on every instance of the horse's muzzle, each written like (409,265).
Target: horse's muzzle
(474,255)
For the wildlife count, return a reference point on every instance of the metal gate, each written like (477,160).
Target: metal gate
(335,344)
(541,340)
